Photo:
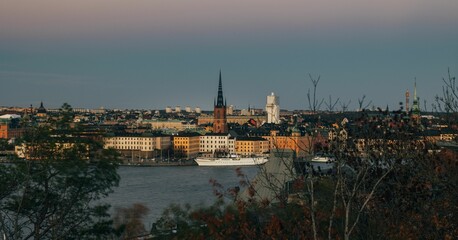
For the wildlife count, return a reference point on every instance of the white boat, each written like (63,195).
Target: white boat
(322,159)
(322,163)
(230,161)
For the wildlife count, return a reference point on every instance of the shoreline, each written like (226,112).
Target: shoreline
(159,164)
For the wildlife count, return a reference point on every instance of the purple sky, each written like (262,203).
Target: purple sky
(135,54)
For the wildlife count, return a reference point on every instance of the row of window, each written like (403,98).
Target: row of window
(129,142)
(202,142)
(133,148)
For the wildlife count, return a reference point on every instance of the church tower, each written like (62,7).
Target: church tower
(219,112)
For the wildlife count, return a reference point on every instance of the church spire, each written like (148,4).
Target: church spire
(416,104)
(220,100)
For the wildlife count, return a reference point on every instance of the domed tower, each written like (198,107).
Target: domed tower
(41,111)
(219,112)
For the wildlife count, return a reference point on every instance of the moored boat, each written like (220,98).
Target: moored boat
(230,161)
(322,159)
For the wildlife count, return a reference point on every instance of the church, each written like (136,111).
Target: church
(219,111)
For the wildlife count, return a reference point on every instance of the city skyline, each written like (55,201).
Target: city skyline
(153,54)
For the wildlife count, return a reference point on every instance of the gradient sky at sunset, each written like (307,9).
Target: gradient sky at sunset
(156,53)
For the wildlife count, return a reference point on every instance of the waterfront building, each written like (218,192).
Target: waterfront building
(59,147)
(273,109)
(300,144)
(186,145)
(248,146)
(146,145)
(219,112)
(212,143)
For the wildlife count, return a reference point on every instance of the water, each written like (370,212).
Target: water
(158,187)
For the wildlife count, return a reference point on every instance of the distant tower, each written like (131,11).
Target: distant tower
(415,105)
(407,101)
(273,109)
(41,111)
(219,112)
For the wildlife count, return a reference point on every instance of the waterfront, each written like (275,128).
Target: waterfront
(158,187)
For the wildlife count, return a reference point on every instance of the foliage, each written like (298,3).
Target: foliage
(53,196)
(5,145)
(390,187)
(448,101)
(128,221)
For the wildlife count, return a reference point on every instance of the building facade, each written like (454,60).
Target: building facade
(170,124)
(301,145)
(10,127)
(217,143)
(139,145)
(249,146)
(186,145)
(207,119)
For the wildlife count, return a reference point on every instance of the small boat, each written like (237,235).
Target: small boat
(322,159)
(230,161)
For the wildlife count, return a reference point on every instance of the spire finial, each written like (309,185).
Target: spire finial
(220,100)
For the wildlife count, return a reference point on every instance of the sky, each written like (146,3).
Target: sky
(149,54)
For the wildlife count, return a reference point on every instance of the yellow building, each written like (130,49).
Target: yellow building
(248,146)
(301,145)
(186,145)
(54,150)
(139,146)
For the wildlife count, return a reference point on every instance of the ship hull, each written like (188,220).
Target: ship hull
(215,162)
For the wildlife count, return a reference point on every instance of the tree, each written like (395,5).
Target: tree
(448,102)
(65,117)
(53,196)
(331,104)
(361,104)
(385,182)
(314,104)
(344,105)
(128,221)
